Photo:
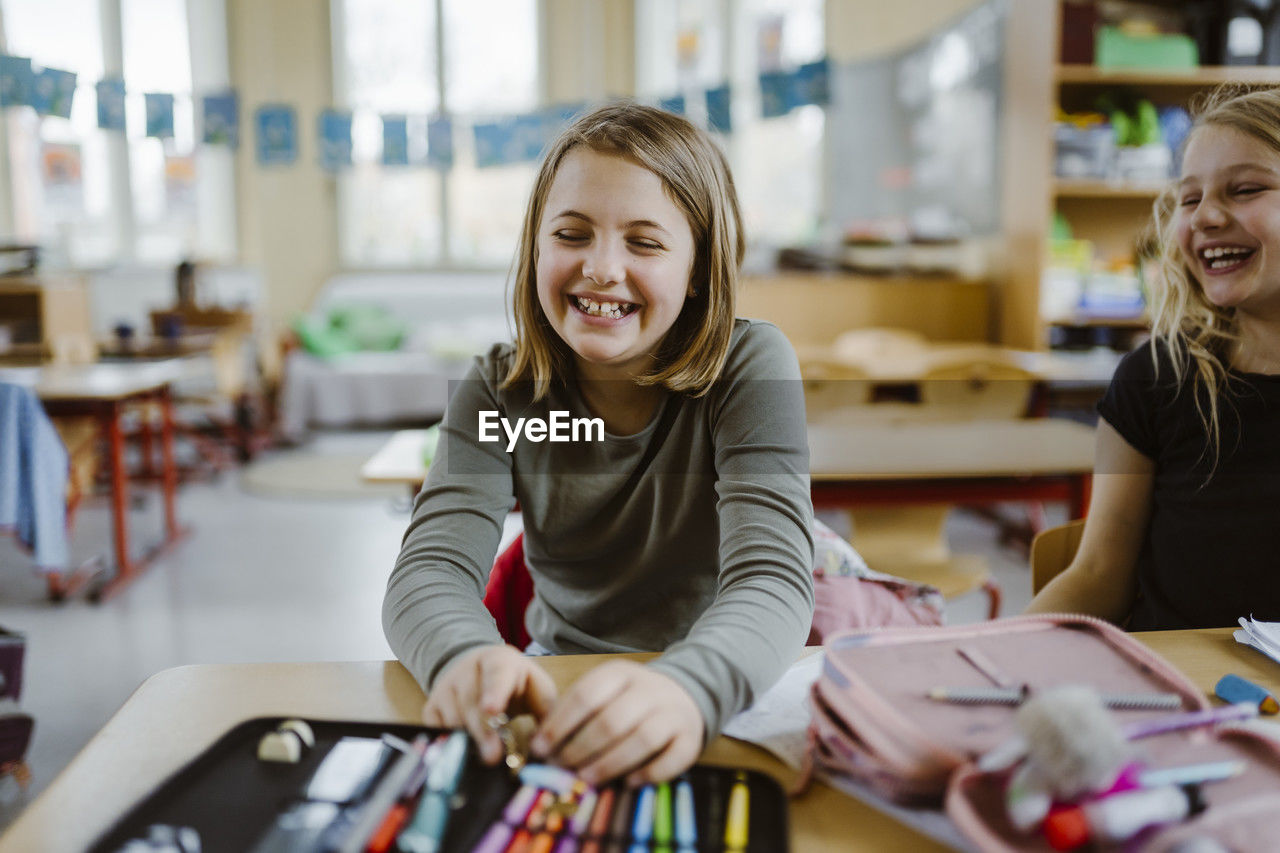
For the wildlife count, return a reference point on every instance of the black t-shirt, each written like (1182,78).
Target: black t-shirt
(1212,548)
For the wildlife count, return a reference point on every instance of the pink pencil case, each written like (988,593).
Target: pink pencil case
(873,721)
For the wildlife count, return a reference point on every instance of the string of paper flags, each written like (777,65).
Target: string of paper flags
(500,141)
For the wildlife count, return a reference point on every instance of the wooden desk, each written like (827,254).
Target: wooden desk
(103,390)
(399,461)
(178,713)
(907,367)
(893,461)
(951,462)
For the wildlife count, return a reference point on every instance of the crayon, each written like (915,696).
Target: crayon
(737,816)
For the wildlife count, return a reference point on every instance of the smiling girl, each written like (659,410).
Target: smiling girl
(1183,528)
(686,530)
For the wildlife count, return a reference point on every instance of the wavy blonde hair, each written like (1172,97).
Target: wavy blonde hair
(1199,335)
(696,177)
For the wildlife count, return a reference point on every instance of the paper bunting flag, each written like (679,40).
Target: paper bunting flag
(718,109)
(159,114)
(512,140)
(674,104)
(440,143)
(16,80)
(335,140)
(221,119)
(276,134)
(395,140)
(777,93)
(52,92)
(813,83)
(110,104)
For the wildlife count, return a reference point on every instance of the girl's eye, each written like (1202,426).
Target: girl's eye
(569,237)
(1248,190)
(646,244)
(1190,201)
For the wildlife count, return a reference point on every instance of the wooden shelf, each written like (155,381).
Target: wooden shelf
(1089,188)
(1192,78)
(1082,321)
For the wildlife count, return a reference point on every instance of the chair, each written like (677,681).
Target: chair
(832,387)
(979,386)
(910,542)
(878,343)
(1052,551)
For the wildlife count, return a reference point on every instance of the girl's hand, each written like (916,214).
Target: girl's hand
(619,718)
(485,681)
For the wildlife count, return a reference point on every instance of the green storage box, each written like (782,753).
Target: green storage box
(1114,48)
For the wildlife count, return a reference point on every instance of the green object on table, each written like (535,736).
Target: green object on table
(370,327)
(319,338)
(1115,48)
(429,442)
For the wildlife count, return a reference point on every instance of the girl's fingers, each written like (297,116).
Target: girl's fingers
(642,745)
(667,764)
(615,722)
(584,700)
(540,692)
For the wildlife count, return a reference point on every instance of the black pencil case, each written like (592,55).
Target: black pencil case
(232,799)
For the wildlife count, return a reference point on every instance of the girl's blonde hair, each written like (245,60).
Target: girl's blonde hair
(696,177)
(1199,335)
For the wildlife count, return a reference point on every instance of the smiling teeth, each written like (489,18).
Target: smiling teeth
(1221,257)
(612,310)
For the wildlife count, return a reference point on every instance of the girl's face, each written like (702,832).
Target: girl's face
(614,258)
(1228,223)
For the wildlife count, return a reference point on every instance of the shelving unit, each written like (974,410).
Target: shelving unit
(1111,214)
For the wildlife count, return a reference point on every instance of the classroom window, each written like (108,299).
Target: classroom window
(685,47)
(92,197)
(432,59)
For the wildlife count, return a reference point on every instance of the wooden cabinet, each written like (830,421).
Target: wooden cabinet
(813,308)
(46,318)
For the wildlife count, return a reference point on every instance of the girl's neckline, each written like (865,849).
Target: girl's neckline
(578,401)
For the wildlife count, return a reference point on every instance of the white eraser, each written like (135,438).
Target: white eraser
(301,729)
(280,746)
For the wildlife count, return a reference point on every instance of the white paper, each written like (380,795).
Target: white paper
(1263,636)
(779,719)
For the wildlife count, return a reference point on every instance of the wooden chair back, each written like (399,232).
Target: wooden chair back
(978,387)
(878,343)
(1052,551)
(832,387)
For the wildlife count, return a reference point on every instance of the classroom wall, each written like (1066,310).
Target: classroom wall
(280,52)
(858,30)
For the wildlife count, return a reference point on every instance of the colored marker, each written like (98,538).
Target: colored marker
(599,825)
(520,842)
(581,819)
(545,776)
(642,819)
(495,840)
(384,797)
(686,827)
(1191,719)
(737,815)
(1190,774)
(1233,689)
(622,811)
(542,843)
(424,833)
(519,806)
(537,817)
(662,819)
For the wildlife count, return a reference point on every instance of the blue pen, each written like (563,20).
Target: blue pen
(1233,689)
(642,820)
(423,835)
(686,826)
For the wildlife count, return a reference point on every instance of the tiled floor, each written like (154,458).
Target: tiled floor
(258,579)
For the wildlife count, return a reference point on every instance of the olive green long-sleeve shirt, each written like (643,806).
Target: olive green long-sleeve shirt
(691,537)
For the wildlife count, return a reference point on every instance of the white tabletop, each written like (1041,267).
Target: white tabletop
(100,381)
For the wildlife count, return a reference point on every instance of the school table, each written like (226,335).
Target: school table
(103,391)
(893,461)
(884,461)
(179,712)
